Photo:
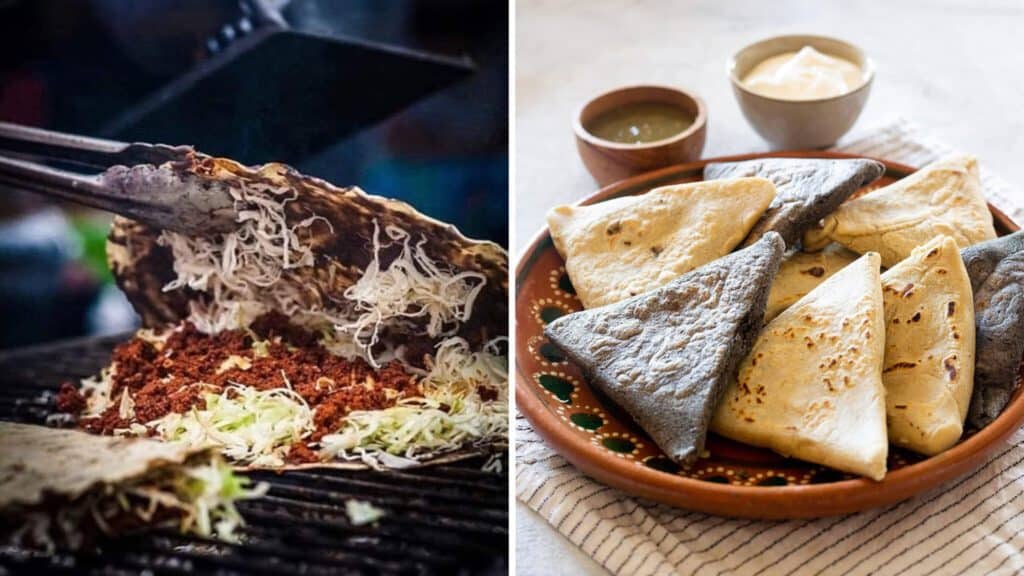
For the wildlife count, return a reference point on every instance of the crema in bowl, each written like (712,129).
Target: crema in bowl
(804,75)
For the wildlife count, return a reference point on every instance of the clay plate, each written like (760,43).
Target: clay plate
(732,479)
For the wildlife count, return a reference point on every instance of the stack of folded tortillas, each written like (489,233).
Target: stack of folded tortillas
(877,331)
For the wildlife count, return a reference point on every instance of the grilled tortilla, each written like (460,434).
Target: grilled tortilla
(996,269)
(802,272)
(942,198)
(812,385)
(929,347)
(666,355)
(341,237)
(58,488)
(808,189)
(626,246)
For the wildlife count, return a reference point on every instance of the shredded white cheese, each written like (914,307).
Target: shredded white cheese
(411,287)
(97,391)
(245,274)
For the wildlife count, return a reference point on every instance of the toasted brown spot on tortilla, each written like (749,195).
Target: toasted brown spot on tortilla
(899,365)
(916,317)
(656,250)
(614,228)
(907,290)
(951,367)
(951,309)
(900,406)
(816,271)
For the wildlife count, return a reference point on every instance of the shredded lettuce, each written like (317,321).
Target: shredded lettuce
(247,425)
(450,415)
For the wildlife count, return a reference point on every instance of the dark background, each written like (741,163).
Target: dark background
(404,98)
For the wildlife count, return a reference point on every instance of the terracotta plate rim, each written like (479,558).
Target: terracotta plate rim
(807,501)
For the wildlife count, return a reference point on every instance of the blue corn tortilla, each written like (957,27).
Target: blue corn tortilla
(996,269)
(808,189)
(667,355)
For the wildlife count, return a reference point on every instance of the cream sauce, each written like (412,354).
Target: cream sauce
(804,75)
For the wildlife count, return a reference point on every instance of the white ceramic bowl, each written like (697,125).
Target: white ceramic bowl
(797,124)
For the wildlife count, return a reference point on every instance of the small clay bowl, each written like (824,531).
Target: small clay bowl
(609,161)
(800,124)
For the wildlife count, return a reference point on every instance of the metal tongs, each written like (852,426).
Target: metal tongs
(145,182)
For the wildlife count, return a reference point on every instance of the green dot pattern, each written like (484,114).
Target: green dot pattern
(620,445)
(587,420)
(560,387)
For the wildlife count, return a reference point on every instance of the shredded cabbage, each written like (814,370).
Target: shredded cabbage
(203,492)
(450,415)
(247,425)
(360,512)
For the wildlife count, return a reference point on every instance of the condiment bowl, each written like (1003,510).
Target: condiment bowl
(609,161)
(795,124)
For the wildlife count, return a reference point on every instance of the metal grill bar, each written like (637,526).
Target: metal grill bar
(444,519)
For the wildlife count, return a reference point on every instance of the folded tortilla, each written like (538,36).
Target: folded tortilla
(929,347)
(61,488)
(666,355)
(626,246)
(811,387)
(808,189)
(347,232)
(996,269)
(802,272)
(942,198)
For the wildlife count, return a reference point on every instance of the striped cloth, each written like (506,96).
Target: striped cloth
(974,524)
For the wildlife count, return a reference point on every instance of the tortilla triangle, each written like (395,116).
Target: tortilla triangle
(996,269)
(942,198)
(812,385)
(929,347)
(801,272)
(665,356)
(626,246)
(808,189)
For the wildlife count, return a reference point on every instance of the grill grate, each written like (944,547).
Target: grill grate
(442,519)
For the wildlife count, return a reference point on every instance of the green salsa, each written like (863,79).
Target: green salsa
(640,122)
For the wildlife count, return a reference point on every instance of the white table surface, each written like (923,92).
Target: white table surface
(952,66)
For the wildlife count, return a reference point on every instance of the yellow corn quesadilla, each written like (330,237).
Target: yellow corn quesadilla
(626,246)
(929,347)
(942,198)
(812,385)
